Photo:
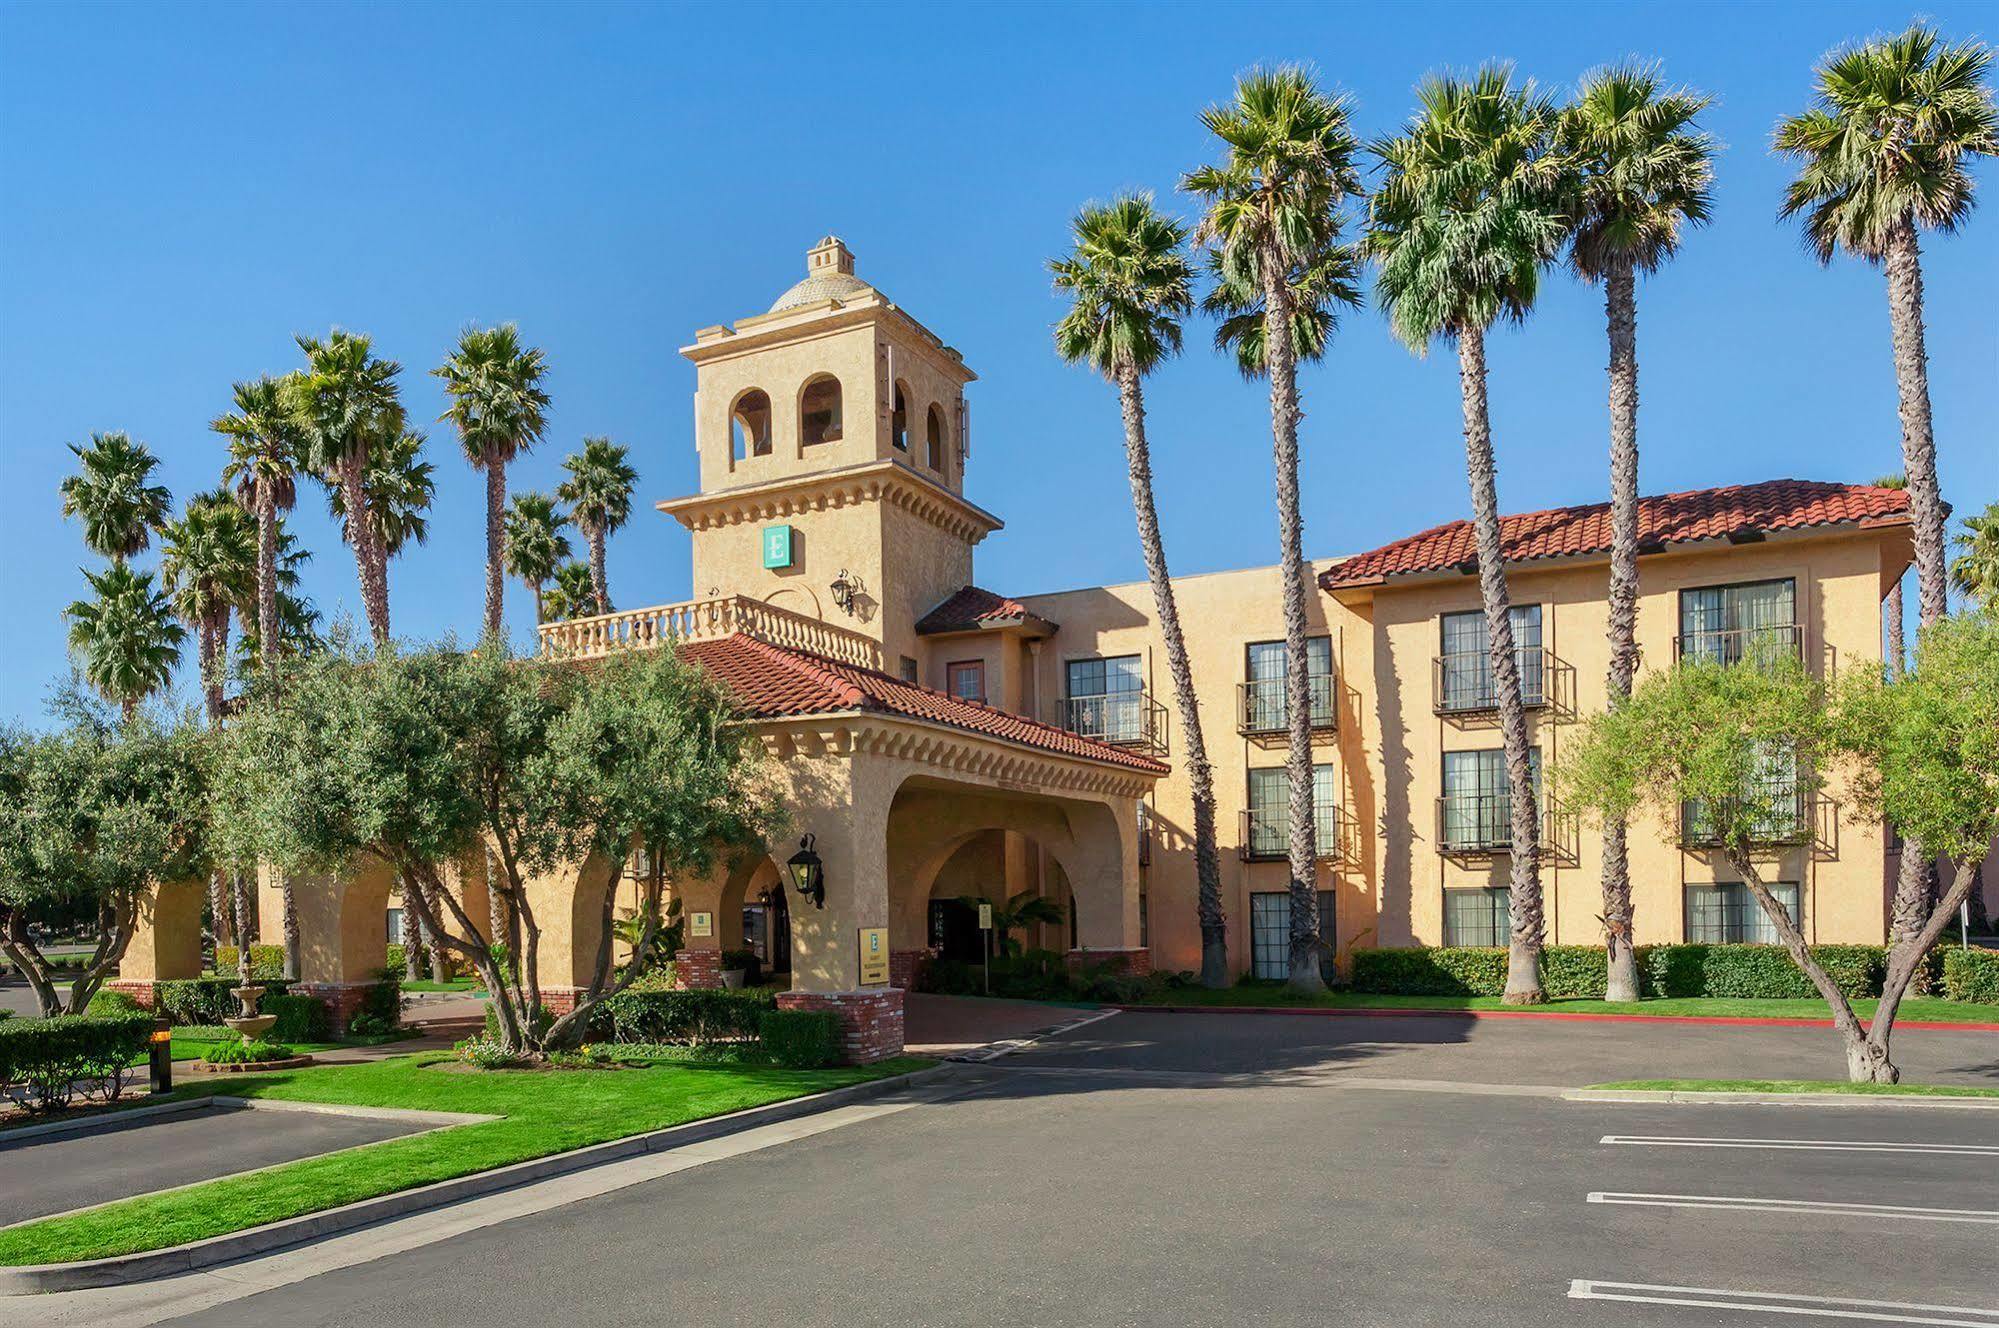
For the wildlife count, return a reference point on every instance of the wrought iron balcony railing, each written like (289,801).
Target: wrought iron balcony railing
(1785,819)
(1462,682)
(1263,706)
(1481,825)
(1266,834)
(1122,719)
(1737,645)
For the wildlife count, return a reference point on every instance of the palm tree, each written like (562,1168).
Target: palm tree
(574,594)
(1272,204)
(500,410)
(264,443)
(298,620)
(1468,213)
(599,494)
(1025,909)
(1322,285)
(208,561)
(112,494)
(347,406)
(126,638)
(1975,570)
(397,488)
(1132,285)
(536,545)
(1891,606)
(1643,174)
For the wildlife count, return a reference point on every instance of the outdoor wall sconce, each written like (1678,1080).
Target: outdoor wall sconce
(845,586)
(808,874)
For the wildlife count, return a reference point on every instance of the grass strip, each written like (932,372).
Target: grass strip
(1797,1086)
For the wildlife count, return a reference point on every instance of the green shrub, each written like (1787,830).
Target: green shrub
(44,1063)
(1759,972)
(486,1053)
(244,1052)
(383,1004)
(1431,971)
(1971,975)
(700,1015)
(267,962)
(300,1018)
(1574,971)
(106,1003)
(800,1039)
(203,1000)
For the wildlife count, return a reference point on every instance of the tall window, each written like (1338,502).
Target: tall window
(819,412)
(1476,917)
(1726,624)
(749,425)
(933,440)
(908,669)
(1270,934)
(1270,812)
(1728,914)
(1466,681)
(898,421)
(1106,698)
(966,679)
(1478,813)
(1266,700)
(1773,804)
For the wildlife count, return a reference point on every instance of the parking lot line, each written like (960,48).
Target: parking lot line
(1807,1145)
(1784,1302)
(1804,1207)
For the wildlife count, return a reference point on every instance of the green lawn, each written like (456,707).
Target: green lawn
(192,1041)
(545,1111)
(471,985)
(1797,1086)
(1928,1008)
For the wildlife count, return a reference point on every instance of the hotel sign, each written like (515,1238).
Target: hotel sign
(700,924)
(779,546)
(874,956)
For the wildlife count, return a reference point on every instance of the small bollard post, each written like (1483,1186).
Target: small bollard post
(161,1063)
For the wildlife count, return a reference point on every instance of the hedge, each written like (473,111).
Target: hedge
(44,1063)
(300,1018)
(1754,972)
(801,1039)
(203,1000)
(267,962)
(697,1016)
(1971,975)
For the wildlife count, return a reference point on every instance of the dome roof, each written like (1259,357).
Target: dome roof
(829,275)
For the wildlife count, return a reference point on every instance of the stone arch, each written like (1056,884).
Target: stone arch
(750,424)
(936,438)
(898,416)
(819,411)
(798,598)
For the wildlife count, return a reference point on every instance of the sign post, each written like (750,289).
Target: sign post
(986,950)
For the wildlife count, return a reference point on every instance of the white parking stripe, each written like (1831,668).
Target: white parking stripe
(1805,1207)
(1783,1302)
(1808,1145)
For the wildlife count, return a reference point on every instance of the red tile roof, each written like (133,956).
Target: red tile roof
(971,608)
(1675,518)
(772,681)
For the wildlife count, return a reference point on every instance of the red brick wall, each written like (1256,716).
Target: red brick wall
(142,992)
(870,1021)
(905,967)
(697,968)
(560,1000)
(1138,963)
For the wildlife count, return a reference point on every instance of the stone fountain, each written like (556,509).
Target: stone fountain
(250,1024)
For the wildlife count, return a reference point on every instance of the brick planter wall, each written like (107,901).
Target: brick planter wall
(343,999)
(1138,963)
(697,968)
(870,1020)
(906,967)
(142,992)
(560,1001)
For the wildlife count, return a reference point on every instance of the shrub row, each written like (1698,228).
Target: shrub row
(697,1016)
(45,1063)
(1971,975)
(800,1039)
(267,962)
(1750,972)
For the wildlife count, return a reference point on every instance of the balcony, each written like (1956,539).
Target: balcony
(1480,825)
(1122,719)
(1737,644)
(1266,834)
(1462,683)
(1263,706)
(1786,819)
(705,620)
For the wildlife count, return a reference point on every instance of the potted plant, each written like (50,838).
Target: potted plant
(739,968)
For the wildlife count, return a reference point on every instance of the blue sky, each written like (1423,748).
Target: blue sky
(184,187)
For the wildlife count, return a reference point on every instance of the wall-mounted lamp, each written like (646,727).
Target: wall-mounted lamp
(808,873)
(845,586)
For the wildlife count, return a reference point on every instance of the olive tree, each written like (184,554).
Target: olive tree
(420,760)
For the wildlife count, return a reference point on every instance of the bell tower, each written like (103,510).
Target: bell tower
(833,433)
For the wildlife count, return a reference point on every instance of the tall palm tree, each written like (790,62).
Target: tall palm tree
(500,410)
(125,638)
(208,563)
(536,545)
(347,406)
(1975,570)
(1643,174)
(599,494)
(1469,211)
(1891,605)
(1132,285)
(113,495)
(1883,155)
(264,443)
(1272,202)
(574,594)
(297,619)
(397,489)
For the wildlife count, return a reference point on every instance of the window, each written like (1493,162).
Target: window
(1478,811)
(1465,680)
(898,421)
(908,669)
(1266,702)
(1144,922)
(934,440)
(1725,624)
(1476,917)
(1728,914)
(1773,804)
(1270,934)
(1107,698)
(1270,812)
(819,412)
(966,679)
(396,928)
(749,425)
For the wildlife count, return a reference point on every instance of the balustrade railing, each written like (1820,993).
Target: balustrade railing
(704,620)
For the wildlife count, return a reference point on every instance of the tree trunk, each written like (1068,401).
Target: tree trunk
(599,584)
(1621,314)
(293,943)
(267,578)
(218,909)
(211,683)
(1905,960)
(361,535)
(1303,854)
(1891,613)
(240,885)
(1200,774)
(20,947)
(496,547)
(540,615)
(1523,961)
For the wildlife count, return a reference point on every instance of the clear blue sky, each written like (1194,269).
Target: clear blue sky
(184,187)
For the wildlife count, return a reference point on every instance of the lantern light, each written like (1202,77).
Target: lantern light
(808,873)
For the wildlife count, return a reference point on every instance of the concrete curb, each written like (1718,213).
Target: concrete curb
(1725,1099)
(1578,1016)
(101,1119)
(37,1279)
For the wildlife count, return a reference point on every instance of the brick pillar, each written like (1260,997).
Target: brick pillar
(870,1020)
(343,999)
(1136,962)
(559,1001)
(697,968)
(140,990)
(905,967)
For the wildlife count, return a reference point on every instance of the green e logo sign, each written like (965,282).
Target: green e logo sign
(778,546)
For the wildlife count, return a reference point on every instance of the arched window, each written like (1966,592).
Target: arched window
(819,412)
(898,421)
(934,440)
(749,425)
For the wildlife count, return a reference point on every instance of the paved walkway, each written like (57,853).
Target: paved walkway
(946,1025)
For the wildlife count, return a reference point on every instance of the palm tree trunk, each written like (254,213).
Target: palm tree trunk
(1523,960)
(211,686)
(244,936)
(267,578)
(218,908)
(540,616)
(599,584)
(361,535)
(1200,773)
(1891,613)
(496,544)
(1281,360)
(294,943)
(1621,312)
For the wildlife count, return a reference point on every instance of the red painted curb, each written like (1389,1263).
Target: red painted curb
(1403,1012)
